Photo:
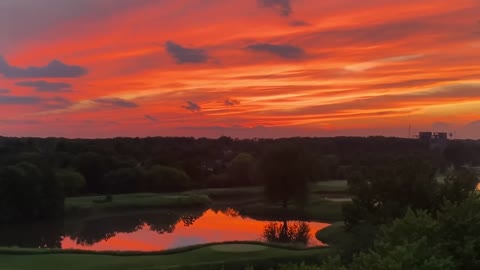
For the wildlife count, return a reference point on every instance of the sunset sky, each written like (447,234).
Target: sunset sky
(240,68)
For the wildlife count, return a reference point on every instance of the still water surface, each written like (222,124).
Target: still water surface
(160,230)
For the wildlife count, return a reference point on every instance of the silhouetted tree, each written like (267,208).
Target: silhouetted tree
(285,174)
(73,182)
(167,179)
(93,167)
(28,193)
(124,180)
(241,170)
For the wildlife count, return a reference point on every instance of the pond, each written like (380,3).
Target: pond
(159,230)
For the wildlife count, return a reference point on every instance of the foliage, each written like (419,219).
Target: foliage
(28,193)
(459,223)
(409,243)
(123,180)
(73,182)
(385,192)
(423,241)
(218,181)
(459,184)
(208,161)
(93,167)
(241,170)
(460,153)
(166,179)
(285,174)
(331,263)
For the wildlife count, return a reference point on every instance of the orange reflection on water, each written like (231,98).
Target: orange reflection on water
(210,227)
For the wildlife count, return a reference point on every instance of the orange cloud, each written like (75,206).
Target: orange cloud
(322,67)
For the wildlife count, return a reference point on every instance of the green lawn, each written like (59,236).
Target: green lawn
(331,186)
(218,256)
(134,201)
(333,235)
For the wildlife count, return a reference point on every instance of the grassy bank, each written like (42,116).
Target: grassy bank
(332,186)
(324,202)
(212,256)
(88,204)
(333,235)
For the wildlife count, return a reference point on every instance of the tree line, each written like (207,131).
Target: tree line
(36,174)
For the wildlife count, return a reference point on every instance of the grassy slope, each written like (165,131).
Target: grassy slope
(205,257)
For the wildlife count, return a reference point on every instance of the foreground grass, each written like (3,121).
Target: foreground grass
(211,256)
(134,201)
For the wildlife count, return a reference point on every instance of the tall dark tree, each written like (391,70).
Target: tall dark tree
(166,179)
(285,174)
(124,180)
(241,170)
(73,182)
(93,167)
(28,193)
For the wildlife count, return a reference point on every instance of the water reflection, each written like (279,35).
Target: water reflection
(295,232)
(157,230)
(44,235)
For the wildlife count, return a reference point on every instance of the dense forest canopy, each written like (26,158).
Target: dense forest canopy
(32,169)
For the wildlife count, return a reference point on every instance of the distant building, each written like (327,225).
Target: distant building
(436,140)
(425,136)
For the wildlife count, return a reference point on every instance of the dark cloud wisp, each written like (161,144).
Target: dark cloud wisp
(192,106)
(298,23)
(19,100)
(54,69)
(283,7)
(44,86)
(151,118)
(57,103)
(231,102)
(44,103)
(183,55)
(117,102)
(4,91)
(283,51)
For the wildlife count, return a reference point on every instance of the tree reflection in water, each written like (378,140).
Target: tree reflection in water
(295,232)
(89,233)
(41,235)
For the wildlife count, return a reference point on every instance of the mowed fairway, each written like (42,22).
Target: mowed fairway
(230,256)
